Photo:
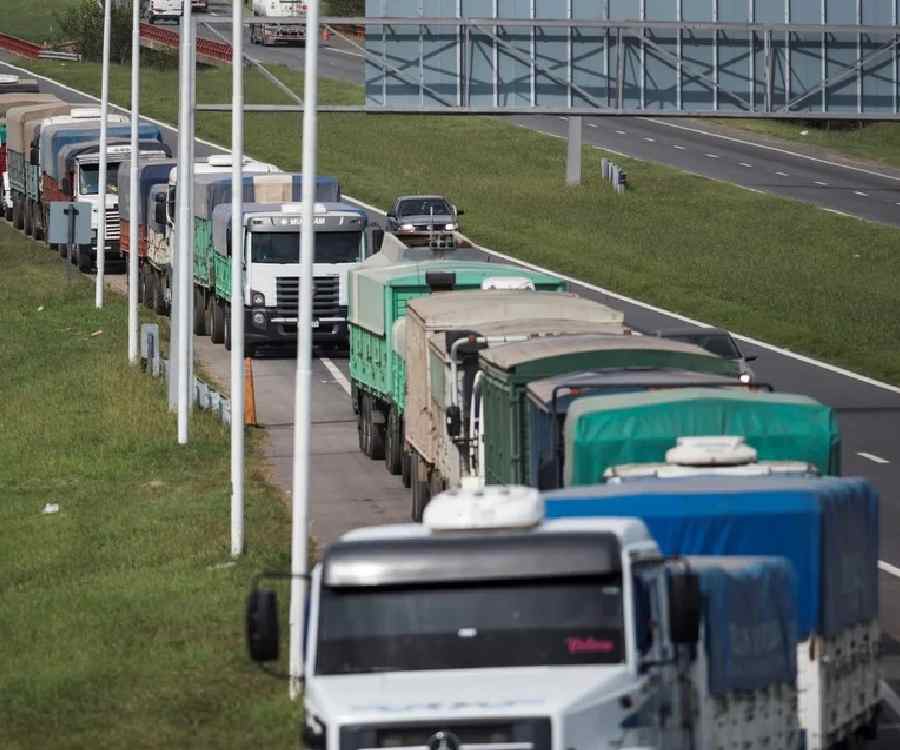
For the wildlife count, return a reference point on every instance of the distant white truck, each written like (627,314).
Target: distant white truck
(490,628)
(269,34)
(170,10)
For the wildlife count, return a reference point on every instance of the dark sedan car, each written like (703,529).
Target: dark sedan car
(424,220)
(717,341)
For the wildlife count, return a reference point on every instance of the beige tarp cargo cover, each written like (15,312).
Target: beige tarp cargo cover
(8,101)
(18,117)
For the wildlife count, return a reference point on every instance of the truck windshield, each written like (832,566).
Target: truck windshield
(89,179)
(471,626)
(284,247)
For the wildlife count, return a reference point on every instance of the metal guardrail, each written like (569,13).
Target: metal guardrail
(21,47)
(208,48)
(52,54)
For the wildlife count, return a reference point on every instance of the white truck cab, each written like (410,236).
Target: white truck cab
(489,628)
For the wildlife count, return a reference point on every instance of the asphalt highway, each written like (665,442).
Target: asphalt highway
(350,491)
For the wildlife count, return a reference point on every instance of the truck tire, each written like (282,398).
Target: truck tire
(393,444)
(27,219)
(374,431)
(18,215)
(217,332)
(156,297)
(405,472)
(84,258)
(208,314)
(421,494)
(8,214)
(199,313)
(226,320)
(63,250)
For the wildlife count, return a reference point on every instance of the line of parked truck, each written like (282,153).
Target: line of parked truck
(632,543)
(53,152)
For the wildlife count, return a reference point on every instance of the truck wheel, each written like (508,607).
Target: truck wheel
(27,219)
(420,489)
(405,472)
(226,320)
(393,444)
(159,299)
(217,332)
(199,313)
(9,213)
(360,427)
(84,258)
(18,215)
(208,314)
(374,431)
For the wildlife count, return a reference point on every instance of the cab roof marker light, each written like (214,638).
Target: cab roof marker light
(291,208)
(711,450)
(492,507)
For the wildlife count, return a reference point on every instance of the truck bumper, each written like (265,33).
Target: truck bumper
(284,35)
(280,328)
(434,240)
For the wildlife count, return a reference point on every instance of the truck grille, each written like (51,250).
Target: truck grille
(520,734)
(113,226)
(326,295)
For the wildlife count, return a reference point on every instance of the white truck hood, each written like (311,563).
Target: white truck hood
(446,694)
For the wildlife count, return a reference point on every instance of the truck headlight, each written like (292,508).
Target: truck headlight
(407,227)
(258,319)
(257,299)
(451,227)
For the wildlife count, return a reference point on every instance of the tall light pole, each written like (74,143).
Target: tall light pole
(104,113)
(134,194)
(183,228)
(302,400)
(237,286)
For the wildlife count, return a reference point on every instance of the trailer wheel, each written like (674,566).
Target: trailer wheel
(226,320)
(84,258)
(217,332)
(405,472)
(27,218)
(393,444)
(360,427)
(376,433)
(199,313)
(159,299)
(18,215)
(421,494)
(208,314)
(8,213)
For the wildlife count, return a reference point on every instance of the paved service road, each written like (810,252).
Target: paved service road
(349,490)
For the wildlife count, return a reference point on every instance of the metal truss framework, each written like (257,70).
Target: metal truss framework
(766,93)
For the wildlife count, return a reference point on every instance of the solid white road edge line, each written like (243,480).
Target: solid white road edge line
(336,373)
(614,295)
(886,567)
(785,151)
(873,458)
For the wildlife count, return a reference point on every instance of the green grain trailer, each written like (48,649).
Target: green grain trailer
(635,428)
(508,370)
(378,296)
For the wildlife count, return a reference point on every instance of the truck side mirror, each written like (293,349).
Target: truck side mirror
(377,239)
(459,212)
(453,421)
(160,209)
(750,358)
(262,625)
(684,607)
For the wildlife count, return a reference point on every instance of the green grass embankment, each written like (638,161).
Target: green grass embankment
(775,269)
(118,628)
(34,20)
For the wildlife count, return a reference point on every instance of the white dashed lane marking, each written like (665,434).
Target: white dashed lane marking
(620,132)
(782,174)
(680,148)
(711,156)
(650,140)
(822,184)
(593,125)
(873,458)
(860,193)
(748,166)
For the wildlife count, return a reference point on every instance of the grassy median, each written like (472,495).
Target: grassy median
(120,626)
(779,270)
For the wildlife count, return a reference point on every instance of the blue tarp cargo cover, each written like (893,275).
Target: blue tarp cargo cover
(826,526)
(54,137)
(150,172)
(749,621)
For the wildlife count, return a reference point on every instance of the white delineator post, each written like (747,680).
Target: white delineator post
(183,228)
(134,196)
(302,402)
(237,286)
(101,184)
